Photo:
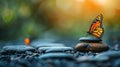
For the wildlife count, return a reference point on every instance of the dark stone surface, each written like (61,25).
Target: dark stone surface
(87,44)
(109,54)
(54,49)
(85,59)
(93,47)
(56,56)
(101,59)
(12,49)
(27,56)
(37,45)
(89,39)
(87,64)
(59,49)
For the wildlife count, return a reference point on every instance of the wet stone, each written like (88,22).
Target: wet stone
(109,54)
(43,49)
(55,49)
(93,47)
(56,56)
(101,59)
(92,58)
(85,59)
(15,57)
(12,49)
(89,39)
(87,44)
(37,45)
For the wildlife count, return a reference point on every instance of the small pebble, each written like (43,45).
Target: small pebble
(12,49)
(109,54)
(37,45)
(56,56)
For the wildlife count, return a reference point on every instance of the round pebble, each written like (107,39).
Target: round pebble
(12,49)
(85,59)
(37,45)
(93,47)
(87,44)
(56,56)
(89,39)
(54,49)
(59,49)
(109,54)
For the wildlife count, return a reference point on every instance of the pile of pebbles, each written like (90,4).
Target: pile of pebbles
(55,55)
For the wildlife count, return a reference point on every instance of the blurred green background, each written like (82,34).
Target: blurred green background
(63,18)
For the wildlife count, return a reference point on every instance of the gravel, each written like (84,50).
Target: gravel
(55,56)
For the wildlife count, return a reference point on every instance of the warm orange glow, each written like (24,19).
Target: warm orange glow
(27,41)
(101,2)
(80,0)
(66,14)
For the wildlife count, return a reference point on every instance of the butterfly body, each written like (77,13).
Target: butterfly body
(96,28)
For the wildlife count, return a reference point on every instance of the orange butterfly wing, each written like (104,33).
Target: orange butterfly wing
(94,25)
(96,28)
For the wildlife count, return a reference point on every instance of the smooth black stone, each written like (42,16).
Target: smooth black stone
(43,49)
(89,39)
(109,54)
(56,56)
(37,45)
(93,47)
(12,49)
(55,49)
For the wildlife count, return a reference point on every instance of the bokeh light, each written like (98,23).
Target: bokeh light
(70,18)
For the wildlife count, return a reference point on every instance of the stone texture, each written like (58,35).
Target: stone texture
(109,54)
(56,56)
(89,39)
(37,45)
(12,49)
(93,47)
(54,49)
(87,44)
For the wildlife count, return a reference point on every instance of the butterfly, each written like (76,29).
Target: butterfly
(96,29)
